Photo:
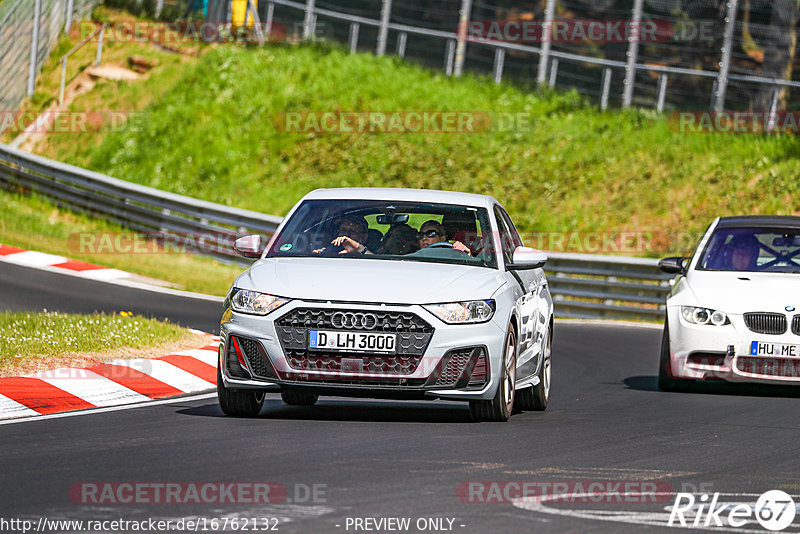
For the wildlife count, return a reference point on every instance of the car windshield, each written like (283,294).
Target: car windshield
(387,230)
(753,250)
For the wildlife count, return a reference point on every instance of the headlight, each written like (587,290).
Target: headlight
(246,301)
(474,311)
(696,315)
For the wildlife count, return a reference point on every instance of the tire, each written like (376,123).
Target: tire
(299,398)
(535,398)
(238,402)
(500,407)
(666,380)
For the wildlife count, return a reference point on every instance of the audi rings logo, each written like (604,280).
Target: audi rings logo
(360,321)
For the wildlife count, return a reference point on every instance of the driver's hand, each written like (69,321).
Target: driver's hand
(458,245)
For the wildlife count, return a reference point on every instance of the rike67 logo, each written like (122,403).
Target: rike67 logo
(774,510)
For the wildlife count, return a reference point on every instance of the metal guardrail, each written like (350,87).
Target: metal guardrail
(583,285)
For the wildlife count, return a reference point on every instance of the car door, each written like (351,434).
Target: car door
(528,302)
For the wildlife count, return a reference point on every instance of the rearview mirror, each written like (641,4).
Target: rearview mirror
(527,258)
(394,218)
(249,246)
(673,265)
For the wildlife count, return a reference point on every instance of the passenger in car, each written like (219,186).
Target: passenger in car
(353,231)
(399,239)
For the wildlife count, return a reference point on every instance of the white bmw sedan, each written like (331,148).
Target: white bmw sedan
(389,293)
(733,313)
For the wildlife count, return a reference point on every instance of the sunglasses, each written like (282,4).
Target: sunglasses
(429,233)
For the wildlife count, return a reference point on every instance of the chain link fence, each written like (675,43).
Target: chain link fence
(666,54)
(28,31)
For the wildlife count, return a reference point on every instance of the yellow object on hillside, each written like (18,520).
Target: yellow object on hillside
(238,11)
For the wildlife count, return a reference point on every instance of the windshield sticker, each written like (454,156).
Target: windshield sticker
(286,247)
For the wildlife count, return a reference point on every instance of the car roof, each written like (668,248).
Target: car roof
(399,194)
(765,221)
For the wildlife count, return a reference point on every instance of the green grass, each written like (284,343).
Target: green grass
(212,135)
(33,223)
(50,336)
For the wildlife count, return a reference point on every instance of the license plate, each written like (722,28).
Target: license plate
(351,341)
(786,350)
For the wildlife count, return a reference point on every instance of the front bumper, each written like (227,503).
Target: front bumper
(433,360)
(706,352)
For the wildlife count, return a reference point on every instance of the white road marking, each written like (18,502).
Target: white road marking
(204,355)
(31,258)
(90,386)
(12,409)
(167,373)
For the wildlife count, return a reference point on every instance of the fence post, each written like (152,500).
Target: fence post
(553,72)
(401,44)
(63,82)
(662,91)
(99,57)
(353,37)
(724,65)
(461,48)
(270,16)
(547,38)
(383,31)
(159,7)
(449,57)
(606,88)
(633,53)
(308,20)
(251,7)
(773,110)
(68,23)
(499,60)
(37,15)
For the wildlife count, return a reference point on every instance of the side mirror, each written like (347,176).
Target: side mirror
(673,265)
(527,258)
(248,246)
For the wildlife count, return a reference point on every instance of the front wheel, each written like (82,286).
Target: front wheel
(500,407)
(666,380)
(238,402)
(536,397)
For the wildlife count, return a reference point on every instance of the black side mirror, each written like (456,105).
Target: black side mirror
(673,265)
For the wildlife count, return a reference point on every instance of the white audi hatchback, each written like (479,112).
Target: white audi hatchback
(733,313)
(389,293)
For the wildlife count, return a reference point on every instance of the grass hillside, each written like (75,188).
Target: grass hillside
(211,134)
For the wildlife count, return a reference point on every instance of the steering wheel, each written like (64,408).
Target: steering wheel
(441,244)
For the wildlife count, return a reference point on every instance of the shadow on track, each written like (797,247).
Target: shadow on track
(649,383)
(345,410)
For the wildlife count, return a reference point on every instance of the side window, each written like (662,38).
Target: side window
(506,238)
(511,228)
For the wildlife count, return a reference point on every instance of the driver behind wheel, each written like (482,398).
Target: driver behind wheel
(745,249)
(432,232)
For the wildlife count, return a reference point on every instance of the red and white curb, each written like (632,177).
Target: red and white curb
(110,384)
(30,258)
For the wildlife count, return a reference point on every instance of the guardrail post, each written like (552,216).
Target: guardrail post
(725,62)
(251,9)
(100,45)
(634,34)
(547,39)
(606,88)
(270,16)
(68,14)
(159,7)
(499,60)
(773,109)
(33,67)
(401,44)
(551,82)
(353,39)
(308,20)
(461,48)
(662,91)
(449,57)
(383,30)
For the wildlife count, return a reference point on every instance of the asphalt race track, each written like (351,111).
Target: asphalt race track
(379,459)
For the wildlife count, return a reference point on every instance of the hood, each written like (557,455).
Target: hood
(367,280)
(738,293)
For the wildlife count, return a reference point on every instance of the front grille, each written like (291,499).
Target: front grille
(796,325)
(766,323)
(388,321)
(256,357)
(784,367)
(315,380)
(332,361)
(455,368)
(413,336)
